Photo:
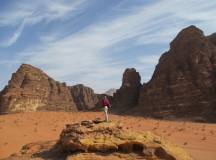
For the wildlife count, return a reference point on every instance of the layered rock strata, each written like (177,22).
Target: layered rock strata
(30,89)
(184,81)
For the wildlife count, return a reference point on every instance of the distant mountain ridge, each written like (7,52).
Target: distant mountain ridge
(110,92)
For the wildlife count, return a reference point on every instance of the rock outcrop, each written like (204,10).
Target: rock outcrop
(101,140)
(93,138)
(212,38)
(31,89)
(128,94)
(184,81)
(84,97)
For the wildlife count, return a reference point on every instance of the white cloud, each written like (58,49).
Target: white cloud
(9,63)
(77,60)
(11,40)
(33,13)
(82,56)
(149,59)
(13,17)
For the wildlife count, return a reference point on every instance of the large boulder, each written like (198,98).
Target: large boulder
(184,81)
(99,140)
(128,94)
(30,89)
(103,140)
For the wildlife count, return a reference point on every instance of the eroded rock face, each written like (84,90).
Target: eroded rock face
(128,94)
(212,38)
(84,97)
(93,138)
(99,140)
(31,89)
(184,81)
(42,150)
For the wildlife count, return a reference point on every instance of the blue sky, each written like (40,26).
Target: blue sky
(93,41)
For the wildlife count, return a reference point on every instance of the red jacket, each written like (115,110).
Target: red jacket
(105,102)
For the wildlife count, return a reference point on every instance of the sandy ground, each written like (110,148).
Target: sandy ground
(16,130)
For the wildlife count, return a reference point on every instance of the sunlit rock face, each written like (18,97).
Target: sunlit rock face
(30,89)
(101,140)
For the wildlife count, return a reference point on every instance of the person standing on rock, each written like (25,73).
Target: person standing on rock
(106,105)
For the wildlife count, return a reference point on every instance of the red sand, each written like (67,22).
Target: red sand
(16,130)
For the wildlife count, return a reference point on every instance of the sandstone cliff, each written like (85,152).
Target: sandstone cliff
(128,94)
(212,38)
(84,97)
(31,89)
(184,81)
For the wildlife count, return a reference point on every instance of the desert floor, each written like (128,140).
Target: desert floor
(16,130)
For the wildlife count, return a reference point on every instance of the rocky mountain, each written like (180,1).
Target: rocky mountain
(110,92)
(128,94)
(184,81)
(31,89)
(212,38)
(84,97)
(183,85)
